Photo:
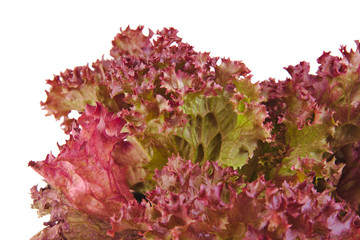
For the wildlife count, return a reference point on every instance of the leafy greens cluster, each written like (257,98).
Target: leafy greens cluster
(174,144)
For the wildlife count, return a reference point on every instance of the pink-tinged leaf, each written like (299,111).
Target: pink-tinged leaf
(211,202)
(65,221)
(84,170)
(133,43)
(331,66)
(298,120)
(230,71)
(73,90)
(131,157)
(152,82)
(337,85)
(131,216)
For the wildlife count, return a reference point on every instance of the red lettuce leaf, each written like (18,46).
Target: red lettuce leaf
(65,221)
(153,83)
(68,223)
(336,86)
(302,130)
(211,202)
(133,43)
(84,170)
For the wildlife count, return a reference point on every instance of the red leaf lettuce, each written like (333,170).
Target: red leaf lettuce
(268,160)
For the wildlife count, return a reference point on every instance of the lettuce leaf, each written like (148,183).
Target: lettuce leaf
(211,202)
(173,99)
(84,170)
(65,221)
(302,130)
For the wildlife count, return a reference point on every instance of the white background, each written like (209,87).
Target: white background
(42,38)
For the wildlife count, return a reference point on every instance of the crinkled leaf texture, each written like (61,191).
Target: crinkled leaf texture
(85,171)
(65,222)
(316,118)
(69,223)
(268,160)
(174,100)
(211,202)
